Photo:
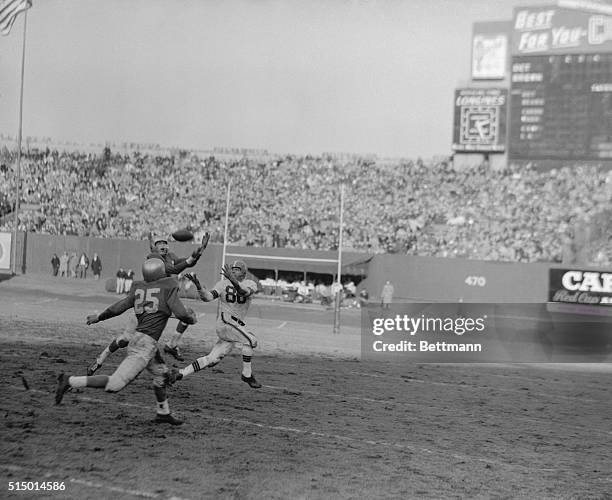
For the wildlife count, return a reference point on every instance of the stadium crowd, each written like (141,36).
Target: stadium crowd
(433,209)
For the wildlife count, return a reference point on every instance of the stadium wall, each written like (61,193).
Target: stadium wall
(431,279)
(414,278)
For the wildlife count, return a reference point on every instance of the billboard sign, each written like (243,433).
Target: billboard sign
(5,251)
(490,48)
(480,120)
(577,286)
(556,30)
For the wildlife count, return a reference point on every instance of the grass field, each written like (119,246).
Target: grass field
(324,425)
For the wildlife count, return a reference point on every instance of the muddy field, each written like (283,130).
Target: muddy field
(324,425)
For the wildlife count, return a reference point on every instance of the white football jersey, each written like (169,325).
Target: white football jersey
(230,302)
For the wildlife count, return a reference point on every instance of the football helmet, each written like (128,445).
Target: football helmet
(239,269)
(153,269)
(161,243)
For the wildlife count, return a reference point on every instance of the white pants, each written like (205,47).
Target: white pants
(231,334)
(231,330)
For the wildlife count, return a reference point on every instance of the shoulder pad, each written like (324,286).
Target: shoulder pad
(169,281)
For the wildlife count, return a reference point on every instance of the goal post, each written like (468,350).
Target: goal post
(336,286)
(338,298)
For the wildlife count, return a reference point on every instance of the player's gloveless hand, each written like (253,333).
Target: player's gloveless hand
(226,271)
(194,279)
(92,318)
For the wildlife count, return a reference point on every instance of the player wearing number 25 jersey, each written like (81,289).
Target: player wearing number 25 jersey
(154,301)
(234,293)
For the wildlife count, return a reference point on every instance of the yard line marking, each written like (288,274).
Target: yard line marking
(295,430)
(44,301)
(91,484)
(85,482)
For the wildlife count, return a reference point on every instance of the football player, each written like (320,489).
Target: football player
(234,292)
(174,265)
(154,300)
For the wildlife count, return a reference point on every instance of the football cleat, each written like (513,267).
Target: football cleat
(174,352)
(167,419)
(251,381)
(173,376)
(93,368)
(63,386)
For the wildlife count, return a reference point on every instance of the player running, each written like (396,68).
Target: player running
(174,265)
(234,294)
(154,300)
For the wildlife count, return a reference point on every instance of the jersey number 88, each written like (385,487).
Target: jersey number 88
(231,296)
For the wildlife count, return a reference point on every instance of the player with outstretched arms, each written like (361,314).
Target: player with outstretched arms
(154,300)
(174,265)
(234,292)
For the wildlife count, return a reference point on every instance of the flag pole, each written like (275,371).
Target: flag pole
(18,183)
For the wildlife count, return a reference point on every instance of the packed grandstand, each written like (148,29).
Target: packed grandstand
(412,207)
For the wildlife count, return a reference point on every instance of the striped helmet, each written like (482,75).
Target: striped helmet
(239,269)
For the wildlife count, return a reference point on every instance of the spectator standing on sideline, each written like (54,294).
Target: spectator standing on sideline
(72,264)
(120,280)
(55,263)
(363,298)
(63,268)
(129,279)
(96,266)
(386,296)
(83,265)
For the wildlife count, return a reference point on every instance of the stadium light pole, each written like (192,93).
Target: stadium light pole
(339,283)
(18,173)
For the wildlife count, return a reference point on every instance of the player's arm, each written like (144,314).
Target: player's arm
(205,295)
(184,262)
(240,290)
(178,308)
(151,245)
(115,310)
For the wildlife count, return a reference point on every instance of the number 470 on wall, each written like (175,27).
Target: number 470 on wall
(475,281)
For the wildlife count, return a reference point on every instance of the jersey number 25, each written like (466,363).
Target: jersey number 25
(146,300)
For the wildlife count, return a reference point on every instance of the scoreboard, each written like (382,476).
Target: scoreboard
(561,107)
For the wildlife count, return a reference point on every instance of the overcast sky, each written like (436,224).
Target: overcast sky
(288,76)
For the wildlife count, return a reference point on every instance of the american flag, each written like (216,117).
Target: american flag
(9,10)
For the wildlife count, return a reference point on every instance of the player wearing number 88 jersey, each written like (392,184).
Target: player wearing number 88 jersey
(234,293)
(231,303)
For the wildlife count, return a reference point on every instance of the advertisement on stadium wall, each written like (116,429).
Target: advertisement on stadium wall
(490,47)
(5,251)
(576,286)
(555,30)
(480,120)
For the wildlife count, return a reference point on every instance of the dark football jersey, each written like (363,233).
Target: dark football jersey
(174,265)
(153,302)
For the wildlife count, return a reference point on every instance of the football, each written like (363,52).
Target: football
(182,235)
